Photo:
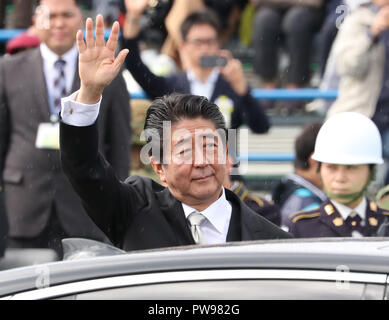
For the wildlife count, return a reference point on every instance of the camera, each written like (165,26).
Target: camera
(212,61)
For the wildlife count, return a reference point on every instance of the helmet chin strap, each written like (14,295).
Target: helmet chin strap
(349,198)
(346,199)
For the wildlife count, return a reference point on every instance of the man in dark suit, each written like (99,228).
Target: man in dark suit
(226,86)
(186,149)
(41,205)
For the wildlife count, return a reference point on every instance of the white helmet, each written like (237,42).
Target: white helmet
(348,138)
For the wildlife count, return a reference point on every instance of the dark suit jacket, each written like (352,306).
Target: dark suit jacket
(141,214)
(33,179)
(326,221)
(3,224)
(247,110)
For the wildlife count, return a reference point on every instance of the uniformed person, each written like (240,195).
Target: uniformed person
(260,205)
(265,208)
(348,147)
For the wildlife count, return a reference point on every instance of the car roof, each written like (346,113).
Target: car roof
(359,255)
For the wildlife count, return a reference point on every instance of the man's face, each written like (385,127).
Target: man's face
(344,179)
(57,22)
(202,39)
(196,169)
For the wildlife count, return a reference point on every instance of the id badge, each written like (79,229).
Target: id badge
(48,136)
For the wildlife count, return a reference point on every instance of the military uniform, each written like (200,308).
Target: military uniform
(294,193)
(266,209)
(326,221)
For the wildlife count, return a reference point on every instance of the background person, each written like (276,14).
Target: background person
(293,23)
(259,204)
(301,190)
(41,205)
(348,148)
(362,63)
(226,86)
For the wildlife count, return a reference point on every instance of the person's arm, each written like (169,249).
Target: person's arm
(105,198)
(253,114)
(117,139)
(354,45)
(153,85)
(248,110)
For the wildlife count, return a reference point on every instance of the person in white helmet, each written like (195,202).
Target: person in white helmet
(348,147)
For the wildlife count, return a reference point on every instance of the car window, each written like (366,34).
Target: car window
(239,289)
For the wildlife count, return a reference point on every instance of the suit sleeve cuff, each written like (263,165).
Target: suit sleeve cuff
(78,114)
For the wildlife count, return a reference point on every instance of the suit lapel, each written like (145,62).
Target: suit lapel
(242,215)
(234,229)
(76,80)
(330,216)
(176,217)
(38,84)
(183,82)
(216,91)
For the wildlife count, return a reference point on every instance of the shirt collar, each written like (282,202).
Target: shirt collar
(210,80)
(212,213)
(345,211)
(50,57)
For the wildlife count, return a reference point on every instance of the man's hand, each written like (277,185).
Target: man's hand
(97,63)
(233,73)
(380,22)
(136,7)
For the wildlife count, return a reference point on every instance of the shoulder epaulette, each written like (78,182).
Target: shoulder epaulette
(256,199)
(376,208)
(304,215)
(385,212)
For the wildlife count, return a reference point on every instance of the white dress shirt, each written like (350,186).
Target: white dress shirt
(218,216)
(78,114)
(49,59)
(199,88)
(345,211)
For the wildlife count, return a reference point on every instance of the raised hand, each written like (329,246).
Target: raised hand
(234,74)
(97,63)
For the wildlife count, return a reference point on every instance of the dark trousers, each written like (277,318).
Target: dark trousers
(327,36)
(296,28)
(50,237)
(3,4)
(381,119)
(329,30)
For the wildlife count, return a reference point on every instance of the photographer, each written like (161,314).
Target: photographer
(219,77)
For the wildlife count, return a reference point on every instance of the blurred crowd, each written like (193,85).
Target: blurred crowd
(193,47)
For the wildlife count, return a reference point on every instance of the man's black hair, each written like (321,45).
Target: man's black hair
(82,4)
(305,145)
(206,16)
(177,107)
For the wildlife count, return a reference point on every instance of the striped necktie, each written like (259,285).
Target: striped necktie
(59,85)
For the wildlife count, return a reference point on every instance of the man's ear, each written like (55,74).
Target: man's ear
(312,163)
(158,169)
